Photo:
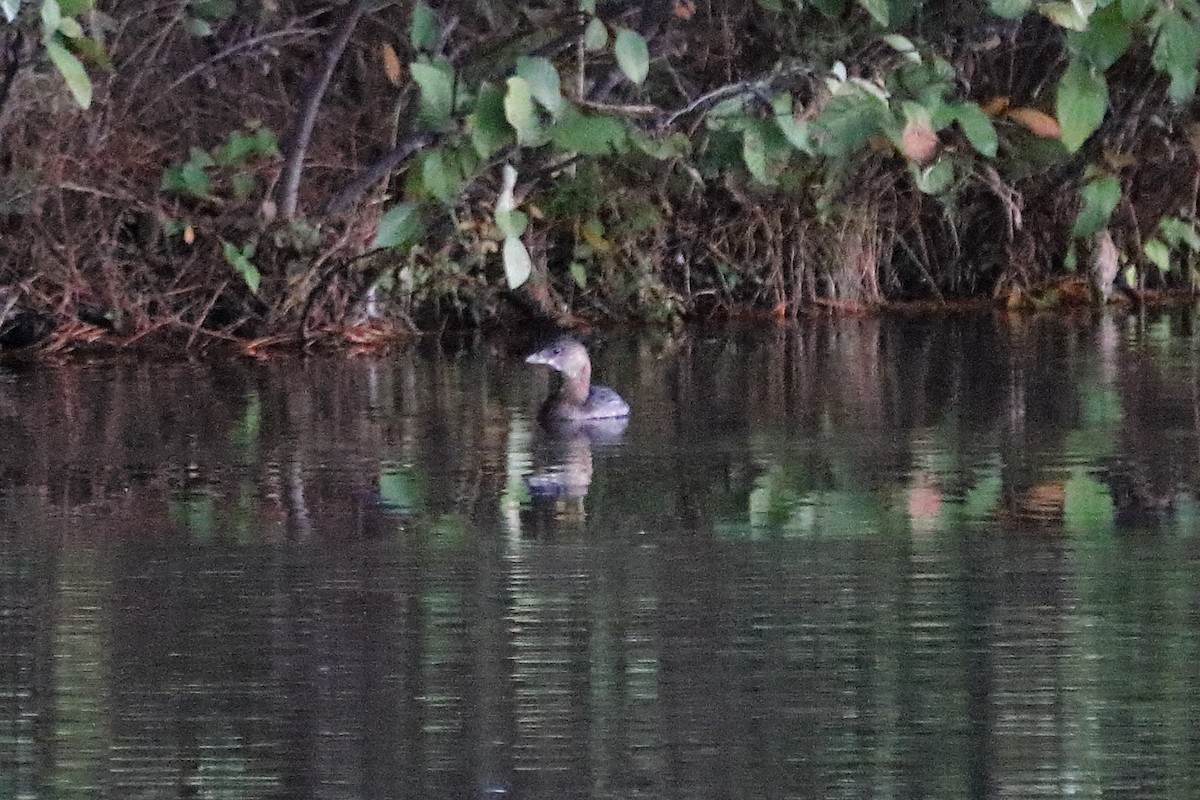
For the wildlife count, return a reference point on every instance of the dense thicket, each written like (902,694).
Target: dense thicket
(277,168)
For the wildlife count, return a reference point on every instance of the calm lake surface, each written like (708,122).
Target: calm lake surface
(863,559)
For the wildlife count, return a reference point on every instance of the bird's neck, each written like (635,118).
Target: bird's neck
(576,385)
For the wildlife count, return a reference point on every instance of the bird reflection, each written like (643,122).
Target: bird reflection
(558,487)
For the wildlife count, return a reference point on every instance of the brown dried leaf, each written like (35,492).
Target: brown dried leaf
(1118,160)
(391,63)
(995,106)
(1038,122)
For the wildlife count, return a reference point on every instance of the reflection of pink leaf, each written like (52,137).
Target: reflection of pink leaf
(924,501)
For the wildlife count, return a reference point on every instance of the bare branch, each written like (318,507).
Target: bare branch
(384,165)
(298,147)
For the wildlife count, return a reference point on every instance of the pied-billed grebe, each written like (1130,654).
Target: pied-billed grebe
(577,399)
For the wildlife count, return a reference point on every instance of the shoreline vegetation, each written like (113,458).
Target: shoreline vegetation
(258,174)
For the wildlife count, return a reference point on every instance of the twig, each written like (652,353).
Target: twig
(229,52)
(383,165)
(212,301)
(627,110)
(753,86)
(325,277)
(11,66)
(294,166)
(76,187)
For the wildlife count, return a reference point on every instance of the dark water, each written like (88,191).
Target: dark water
(869,559)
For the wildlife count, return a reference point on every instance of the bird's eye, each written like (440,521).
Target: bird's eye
(557,351)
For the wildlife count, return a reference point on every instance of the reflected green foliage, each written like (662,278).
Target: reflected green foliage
(448,532)
(983,498)
(245,437)
(841,565)
(1088,506)
(399,489)
(197,514)
(80,672)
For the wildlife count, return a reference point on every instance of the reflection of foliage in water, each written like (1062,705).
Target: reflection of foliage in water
(798,556)
(1013,465)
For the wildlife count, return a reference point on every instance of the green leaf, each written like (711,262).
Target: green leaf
(977,127)
(51,17)
(243,184)
(1176,52)
(70,28)
(543,82)
(936,178)
(190,177)
(436,104)
(595,35)
(1071,16)
(1134,10)
(240,147)
(878,9)
(1179,231)
(754,154)
(1183,85)
(401,227)
(1106,39)
(186,179)
(830,9)
(728,115)
(239,259)
(10,9)
(489,128)
(672,146)
(765,150)
(217,10)
(72,71)
(512,223)
(578,274)
(633,57)
(1100,197)
(1158,253)
(92,51)
(197,27)
(439,177)
(423,30)
(847,121)
(904,46)
(520,113)
(794,130)
(1010,9)
(589,134)
(201,158)
(517,264)
(1082,101)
